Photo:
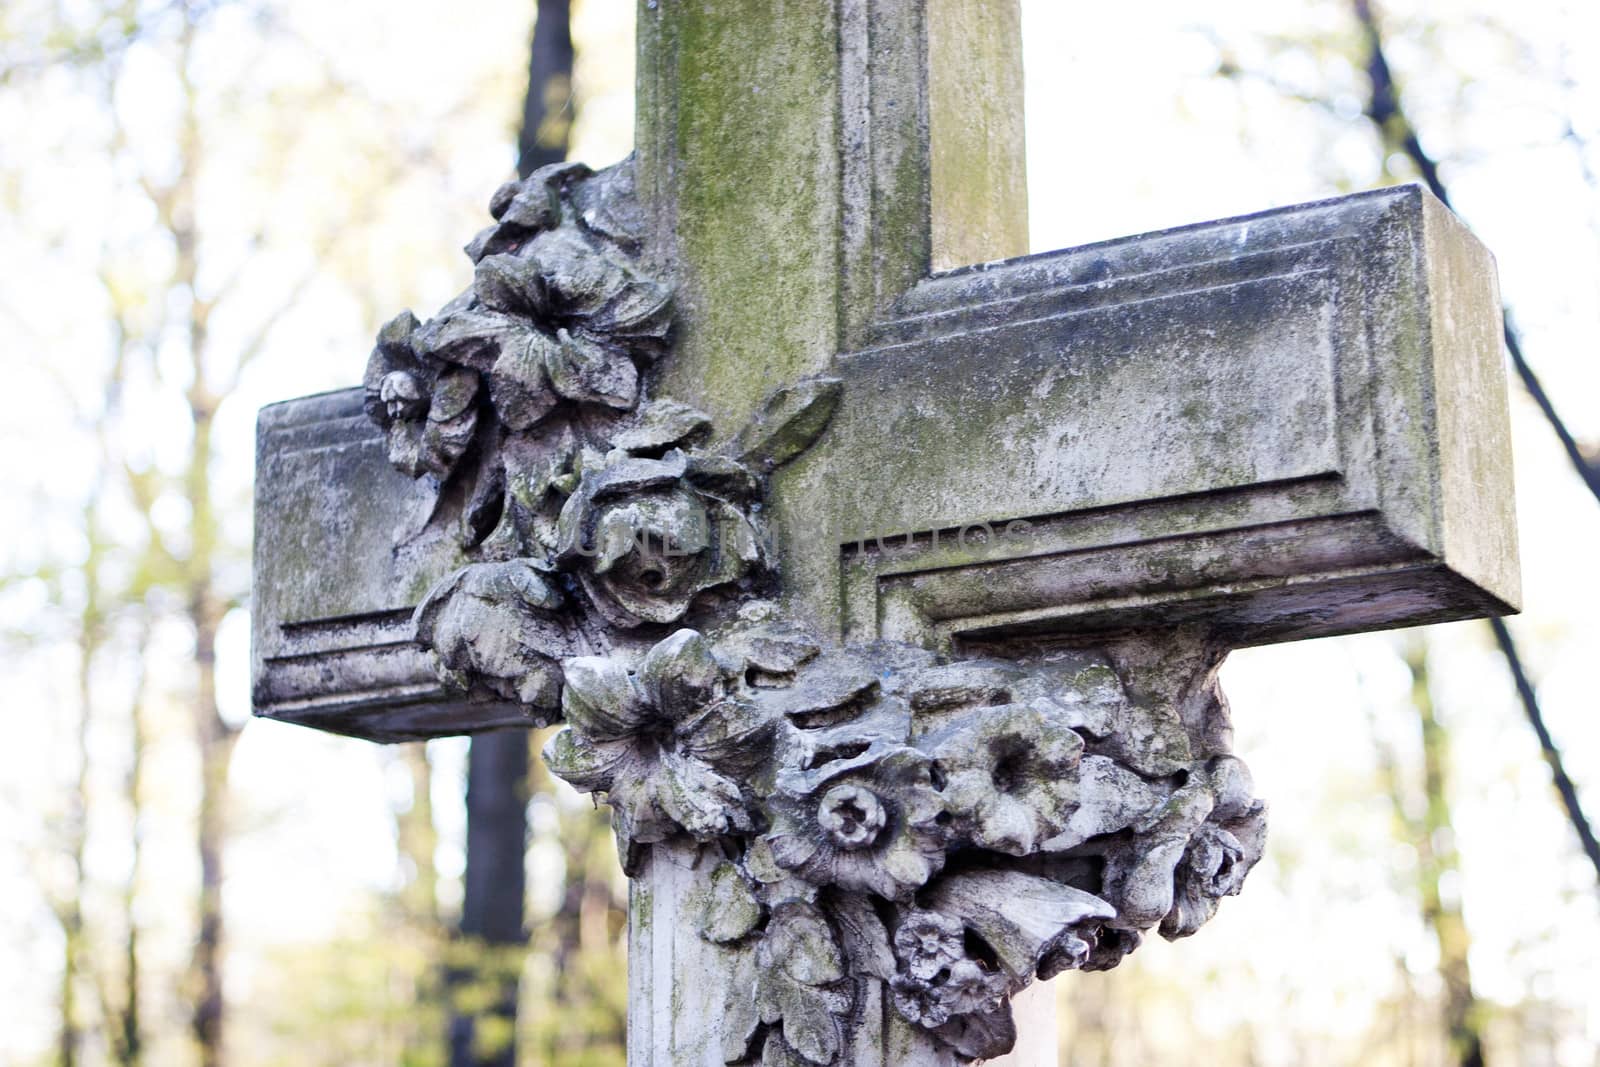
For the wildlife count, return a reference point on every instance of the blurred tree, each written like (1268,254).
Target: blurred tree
(1431,831)
(580,952)
(484,987)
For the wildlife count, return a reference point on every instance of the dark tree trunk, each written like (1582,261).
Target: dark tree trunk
(484,987)
(547,108)
(492,937)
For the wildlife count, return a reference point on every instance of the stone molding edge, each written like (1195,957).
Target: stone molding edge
(949,828)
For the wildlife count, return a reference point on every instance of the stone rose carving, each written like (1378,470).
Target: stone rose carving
(648,536)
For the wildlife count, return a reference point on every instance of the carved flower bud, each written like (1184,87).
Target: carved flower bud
(927,943)
(851,816)
(964,988)
(402,395)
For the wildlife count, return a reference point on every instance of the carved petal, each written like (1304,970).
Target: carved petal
(588,766)
(471,338)
(642,310)
(982,1035)
(580,279)
(493,624)
(1109,798)
(600,699)
(512,285)
(1010,771)
(1023,917)
(519,382)
(530,204)
(680,676)
(732,735)
(584,369)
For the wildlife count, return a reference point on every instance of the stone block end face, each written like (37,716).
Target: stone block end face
(1476,497)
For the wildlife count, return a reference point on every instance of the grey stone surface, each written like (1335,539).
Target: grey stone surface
(884,605)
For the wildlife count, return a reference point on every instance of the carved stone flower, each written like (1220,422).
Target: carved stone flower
(668,745)
(427,407)
(648,536)
(536,360)
(963,987)
(937,979)
(558,313)
(1010,774)
(873,825)
(926,943)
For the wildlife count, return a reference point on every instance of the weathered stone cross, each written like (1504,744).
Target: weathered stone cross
(883,603)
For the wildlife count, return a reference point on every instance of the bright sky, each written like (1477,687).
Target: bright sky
(1126,132)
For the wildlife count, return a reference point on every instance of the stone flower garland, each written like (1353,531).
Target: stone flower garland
(950,829)
(953,830)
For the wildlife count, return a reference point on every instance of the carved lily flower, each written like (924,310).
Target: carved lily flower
(559,319)
(647,536)
(666,745)
(428,408)
(873,826)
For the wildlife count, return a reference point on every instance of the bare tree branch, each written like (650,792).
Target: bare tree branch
(1552,754)
(1389,115)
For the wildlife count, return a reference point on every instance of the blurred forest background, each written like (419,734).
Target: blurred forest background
(207,205)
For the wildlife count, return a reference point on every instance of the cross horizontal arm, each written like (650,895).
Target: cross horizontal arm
(1286,425)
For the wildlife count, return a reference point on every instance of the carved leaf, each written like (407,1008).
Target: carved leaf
(723,477)
(789,422)
(729,909)
(662,424)
(866,942)
(741,1018)
(800,964)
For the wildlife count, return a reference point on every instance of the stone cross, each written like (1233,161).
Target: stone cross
(880,579)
